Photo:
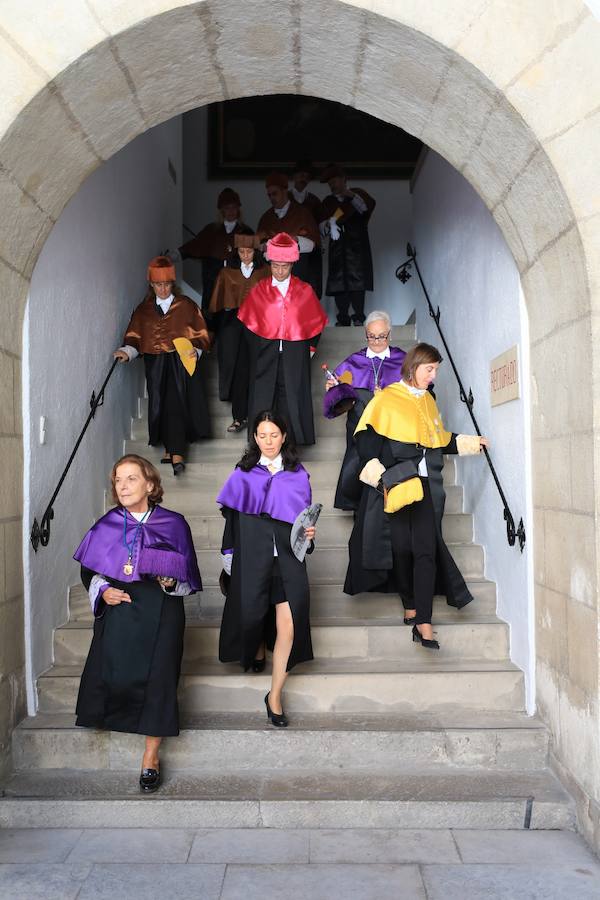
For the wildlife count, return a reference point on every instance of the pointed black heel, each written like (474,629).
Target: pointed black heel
(419,639)
(258,665)
(149,781)
(279,720)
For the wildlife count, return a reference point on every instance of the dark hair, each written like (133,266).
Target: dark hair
(149,472)
(420,355)
(236,263)
(289,454)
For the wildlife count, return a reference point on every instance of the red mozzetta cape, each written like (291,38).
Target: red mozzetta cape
(296,317)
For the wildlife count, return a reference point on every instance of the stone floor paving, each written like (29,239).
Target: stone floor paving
(271,864)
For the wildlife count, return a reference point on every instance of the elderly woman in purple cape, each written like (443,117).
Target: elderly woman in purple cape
(353,384)
(267,593)
(137,564)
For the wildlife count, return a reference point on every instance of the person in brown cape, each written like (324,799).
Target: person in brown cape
(177,407)
(289,216)
(302,175)
(214,245)
(233,283)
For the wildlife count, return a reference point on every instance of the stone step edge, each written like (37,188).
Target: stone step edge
(321,622)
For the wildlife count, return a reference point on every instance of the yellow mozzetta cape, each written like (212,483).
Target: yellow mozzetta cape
(397,414)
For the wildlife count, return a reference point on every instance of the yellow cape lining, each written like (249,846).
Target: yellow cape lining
(397,414)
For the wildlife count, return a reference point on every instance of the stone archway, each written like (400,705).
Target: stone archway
(495,89)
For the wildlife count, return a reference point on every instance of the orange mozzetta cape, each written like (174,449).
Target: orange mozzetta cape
(149,332)
(296,317)
(231,288)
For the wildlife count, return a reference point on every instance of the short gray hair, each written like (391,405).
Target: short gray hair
(376,316)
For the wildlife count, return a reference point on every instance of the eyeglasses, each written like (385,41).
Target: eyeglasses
(377,337)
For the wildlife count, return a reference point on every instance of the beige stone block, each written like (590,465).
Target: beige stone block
(6,712)
(20,83)
(429,18)
(511,232)
(577,746)
(571,555)
(582,471)
(52,34)
(589,231)
(501,152)
(118,15)
(582,637)
(551,482)
(96,89)
(51,169)
(331,75)
(7,394)
(11,477)
(538,205)
(575,156)
(2,565)
(562,87)
(560,403)
(13,559)
(556,286)
(460,113)
(508,34)
(17,396)
(551,628)
(22,223)
(170,65)
(13,294)
(401,74)
(12,647)
(539,547)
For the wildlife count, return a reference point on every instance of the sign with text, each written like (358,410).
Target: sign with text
(504,377)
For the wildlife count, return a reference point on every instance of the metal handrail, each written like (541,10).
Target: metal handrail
(403,274)
(40,531)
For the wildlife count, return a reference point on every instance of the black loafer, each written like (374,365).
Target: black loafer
(178,468)
(149,781)
(258,665)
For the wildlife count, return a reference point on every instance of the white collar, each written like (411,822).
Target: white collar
(416,392)
(385,354)
(247,269)
(139,515)
(299,196)
(166,303)
(276,463)
(282,286)
(229,226)
(280,213)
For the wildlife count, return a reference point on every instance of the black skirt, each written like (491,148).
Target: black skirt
(130,678)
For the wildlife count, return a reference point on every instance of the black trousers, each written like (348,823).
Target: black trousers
(414,554)
(347,299)
(239,383)
(280,403)
(172,416)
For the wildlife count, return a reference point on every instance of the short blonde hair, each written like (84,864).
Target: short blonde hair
(149,472)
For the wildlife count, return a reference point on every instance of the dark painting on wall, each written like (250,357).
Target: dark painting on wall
(250,137)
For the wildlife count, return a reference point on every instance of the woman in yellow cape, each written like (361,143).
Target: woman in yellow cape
(396,543)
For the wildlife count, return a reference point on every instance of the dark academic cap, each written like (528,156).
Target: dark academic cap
(228,195)
(303,165)
(250,241)
(331,170)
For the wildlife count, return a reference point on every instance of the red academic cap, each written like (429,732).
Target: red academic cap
(278,179)
(282,248)
(228,195)
(332,170)
(161,269)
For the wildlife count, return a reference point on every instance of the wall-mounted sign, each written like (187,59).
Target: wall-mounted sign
(504,377)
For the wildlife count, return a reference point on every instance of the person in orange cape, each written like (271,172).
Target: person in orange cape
(177,407)
(283,320)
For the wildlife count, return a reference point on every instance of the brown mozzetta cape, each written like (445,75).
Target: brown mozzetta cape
(150,332)
(213,241)
(297,222)
(231,287)
(312,203)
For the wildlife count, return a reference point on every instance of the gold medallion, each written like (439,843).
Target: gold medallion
(128,568)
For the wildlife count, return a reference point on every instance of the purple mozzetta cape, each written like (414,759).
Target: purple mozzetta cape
(361,368)
(282,496)
(163,547)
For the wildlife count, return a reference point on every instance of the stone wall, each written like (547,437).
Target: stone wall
(508,93)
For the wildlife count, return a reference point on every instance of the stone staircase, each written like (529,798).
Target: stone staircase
(383,733)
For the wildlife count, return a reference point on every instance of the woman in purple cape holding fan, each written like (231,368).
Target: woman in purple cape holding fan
(137,564)
(267,593)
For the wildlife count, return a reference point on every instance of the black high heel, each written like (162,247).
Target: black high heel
(419,639)
(409,620)
(149,781)
(279,720)
(258,665)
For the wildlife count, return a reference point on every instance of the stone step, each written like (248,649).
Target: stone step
(465,798)
(327,603)
(221,419)
(459,640)
(330,685)
(330,743)
(230,447)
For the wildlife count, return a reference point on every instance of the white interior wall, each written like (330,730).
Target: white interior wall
(389,227)
(470,273)
(89,277)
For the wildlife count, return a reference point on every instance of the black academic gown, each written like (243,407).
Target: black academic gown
(293,363)
(258,581)
(162,368)
(370,544)
(349,488)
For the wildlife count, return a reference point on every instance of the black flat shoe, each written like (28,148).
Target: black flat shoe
(279,720)
(149,781)
(424,642)
(178,468)
(165,461)
(258,665)
(409,620)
